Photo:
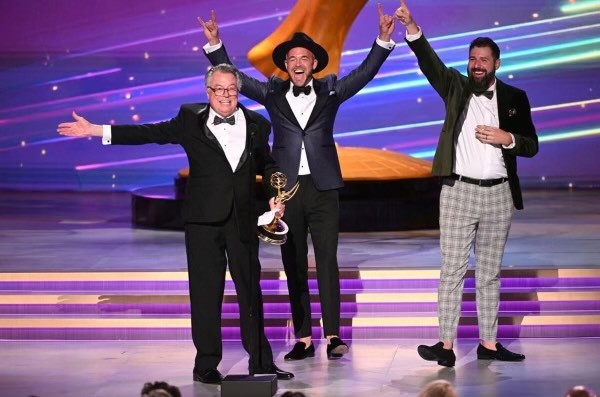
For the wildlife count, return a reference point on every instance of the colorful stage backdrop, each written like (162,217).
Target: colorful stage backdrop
(136,61)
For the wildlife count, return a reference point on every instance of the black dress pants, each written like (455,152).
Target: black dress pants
(210,248)
(317,212)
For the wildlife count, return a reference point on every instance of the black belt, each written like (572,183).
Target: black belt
(478,182)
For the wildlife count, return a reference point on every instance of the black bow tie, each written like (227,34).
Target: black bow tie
(301,90)
(229,120)
(487,94)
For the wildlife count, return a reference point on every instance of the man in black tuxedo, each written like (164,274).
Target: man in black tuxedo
(487,125)
(226,145)
(302,110)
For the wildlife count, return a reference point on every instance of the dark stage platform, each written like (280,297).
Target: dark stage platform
(383,191)
(364,206)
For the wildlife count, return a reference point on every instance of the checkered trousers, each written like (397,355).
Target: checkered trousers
(470,214)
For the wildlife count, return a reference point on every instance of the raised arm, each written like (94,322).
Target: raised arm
(436,72)
(216,54)
(80,127)
(349,85)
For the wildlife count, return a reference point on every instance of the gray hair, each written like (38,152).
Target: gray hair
(223,68)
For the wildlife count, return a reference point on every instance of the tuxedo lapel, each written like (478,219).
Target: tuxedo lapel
(503,99)
(206,134)
(322,95)
(282,104)
(462,102)
(251,130)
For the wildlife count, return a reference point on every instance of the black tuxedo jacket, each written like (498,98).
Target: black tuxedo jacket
(214,189)
(514,113)
(318,133)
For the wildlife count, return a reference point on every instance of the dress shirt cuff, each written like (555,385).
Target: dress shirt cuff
(512,145)
(106,134)
(416,36)
(212,48)
(388,45)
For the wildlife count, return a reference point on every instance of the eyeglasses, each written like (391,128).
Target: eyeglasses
(220,91)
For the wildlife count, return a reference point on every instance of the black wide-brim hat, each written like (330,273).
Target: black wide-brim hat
(300,39)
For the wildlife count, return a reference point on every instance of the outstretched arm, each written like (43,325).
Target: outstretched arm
(80,127)
(135,134)
(211,29)
(405,17)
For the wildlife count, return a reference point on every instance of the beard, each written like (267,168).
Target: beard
(480,85)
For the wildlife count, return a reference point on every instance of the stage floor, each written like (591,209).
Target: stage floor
(373,368)
(91,232)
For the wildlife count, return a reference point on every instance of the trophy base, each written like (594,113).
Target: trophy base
(273,241)
(275,234)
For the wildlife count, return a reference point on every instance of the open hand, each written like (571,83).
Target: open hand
(80,127)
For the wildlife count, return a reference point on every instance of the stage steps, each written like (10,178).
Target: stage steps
(376,304)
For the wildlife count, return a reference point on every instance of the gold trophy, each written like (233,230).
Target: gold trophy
(275,231)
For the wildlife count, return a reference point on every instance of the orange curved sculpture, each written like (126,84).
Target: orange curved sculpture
(366,164)
(327,22)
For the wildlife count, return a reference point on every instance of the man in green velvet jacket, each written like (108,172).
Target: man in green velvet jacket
(487,125)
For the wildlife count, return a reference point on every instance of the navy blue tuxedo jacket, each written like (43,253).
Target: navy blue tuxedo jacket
(318,133)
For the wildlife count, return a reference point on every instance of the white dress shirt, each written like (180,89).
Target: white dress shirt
(474,158)
(232,138)
(302,107)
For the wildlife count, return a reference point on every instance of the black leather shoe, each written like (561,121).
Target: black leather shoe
(437,353)
(281,374)
(336,349)
(500,354)
(300,352)
(210,376)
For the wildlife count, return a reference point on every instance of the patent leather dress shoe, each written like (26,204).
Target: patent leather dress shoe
(281,374)
(210,376)
(336,349)
(300,352)
(444,357)
(500,354)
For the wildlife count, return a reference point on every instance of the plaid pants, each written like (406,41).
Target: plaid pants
(472,214)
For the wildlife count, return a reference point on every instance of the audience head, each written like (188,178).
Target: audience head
(293,394)
(438,388)
(160,389)
(580,391)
